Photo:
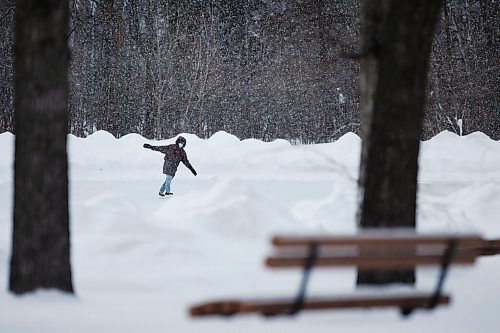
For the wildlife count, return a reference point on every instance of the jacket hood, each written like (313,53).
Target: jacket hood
(179,140)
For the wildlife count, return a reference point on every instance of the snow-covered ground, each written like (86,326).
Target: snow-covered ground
(139,261)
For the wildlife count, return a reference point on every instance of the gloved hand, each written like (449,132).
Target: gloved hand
(193,171)
(147,145)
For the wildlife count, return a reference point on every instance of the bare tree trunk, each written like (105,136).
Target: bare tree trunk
(41,246)
(396,44)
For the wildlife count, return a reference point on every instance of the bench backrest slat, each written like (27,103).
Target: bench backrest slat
(378,240)
(382,261)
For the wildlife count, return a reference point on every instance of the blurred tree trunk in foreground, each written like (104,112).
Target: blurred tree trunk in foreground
(41,247)
(396,40)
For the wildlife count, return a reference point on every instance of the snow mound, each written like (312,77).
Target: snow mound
(231,208)
(448,156)
(6,136)
(334,213)
(223,139)
(350,139)
(476,206)
(7,141)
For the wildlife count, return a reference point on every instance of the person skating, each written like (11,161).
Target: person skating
(174,154)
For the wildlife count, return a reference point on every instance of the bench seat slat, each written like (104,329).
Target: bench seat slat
(490,247)
(283,306)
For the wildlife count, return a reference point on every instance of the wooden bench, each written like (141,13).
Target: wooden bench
(368,250)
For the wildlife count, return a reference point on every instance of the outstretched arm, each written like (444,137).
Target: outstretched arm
(155,148)
(188,165)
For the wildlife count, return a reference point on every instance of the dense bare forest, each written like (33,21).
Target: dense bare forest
(255,68)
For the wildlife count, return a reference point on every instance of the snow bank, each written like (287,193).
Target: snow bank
(448,156)
(101,156)
(6,156)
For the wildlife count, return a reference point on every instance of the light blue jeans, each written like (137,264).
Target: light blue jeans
(165,188)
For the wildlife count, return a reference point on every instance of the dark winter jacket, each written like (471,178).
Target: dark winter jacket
(173,156)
